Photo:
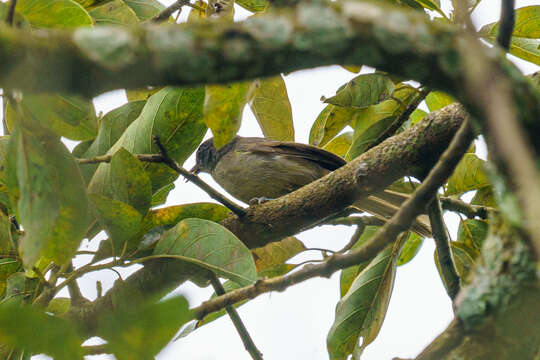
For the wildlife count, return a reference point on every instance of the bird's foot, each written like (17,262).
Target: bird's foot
(258,200)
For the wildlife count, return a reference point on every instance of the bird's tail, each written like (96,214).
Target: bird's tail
(385,204)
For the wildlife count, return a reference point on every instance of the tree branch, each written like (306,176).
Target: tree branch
(11,12)
(470,211)
(506,24)
(167,12)
(157,158)
(444,253)
(238,324)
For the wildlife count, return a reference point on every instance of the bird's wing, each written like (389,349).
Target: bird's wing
(319,156)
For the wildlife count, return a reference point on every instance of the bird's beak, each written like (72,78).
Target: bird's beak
(195,169)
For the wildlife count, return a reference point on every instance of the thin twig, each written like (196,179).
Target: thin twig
(11,12)
(239,211)
(356,220)
(470,211)
(401,221)
(167,12)
(238,324)
(155,158)
(96,349)
(442,242)
(506,24)
(354,238)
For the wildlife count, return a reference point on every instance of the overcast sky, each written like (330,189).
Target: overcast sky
(294,324)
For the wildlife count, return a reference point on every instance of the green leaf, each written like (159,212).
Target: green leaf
(484,197)
(19,21)
(30,329)
(527,24)
(141,333)
(372,122)
(361,311)
(411,248)
(111,127)
(121,222)
(436,100)
(61,14)
(172,114)
(6,241)
(141,94)
(352,68)
(525,42)
(145,9)
(329,123)
(17,289)
(114,12)
(276,253)
(172,215)
(272,109)
(430,5)
(67,116)
(340,144)
(211,246)
(253,5)
(130,183)
(363,91)
(223,107)
(468,175)
(7,268)
(464,259)
(160,196)
(417,116)
(349,274)
(46,185)
(59,306)
(472,232)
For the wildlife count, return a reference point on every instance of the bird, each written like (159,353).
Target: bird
(252,169)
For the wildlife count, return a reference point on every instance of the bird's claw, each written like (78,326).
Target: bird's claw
(258,200)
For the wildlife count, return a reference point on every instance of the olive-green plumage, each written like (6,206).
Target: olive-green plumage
(251,167)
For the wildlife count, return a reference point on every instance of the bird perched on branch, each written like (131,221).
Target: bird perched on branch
(257,168)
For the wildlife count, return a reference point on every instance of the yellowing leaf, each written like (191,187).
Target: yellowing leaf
(276,253)
(46,185)
(114,12)
(145,9)
(329,123)
(223,107)
(363,91)
(253,5)
(130,183)
(272,109)
(340,144)
(468,175)
(62,14)
(436,100)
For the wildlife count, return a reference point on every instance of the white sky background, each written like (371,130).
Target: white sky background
(294,324)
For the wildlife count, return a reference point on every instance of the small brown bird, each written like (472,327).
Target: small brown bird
(251,168)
